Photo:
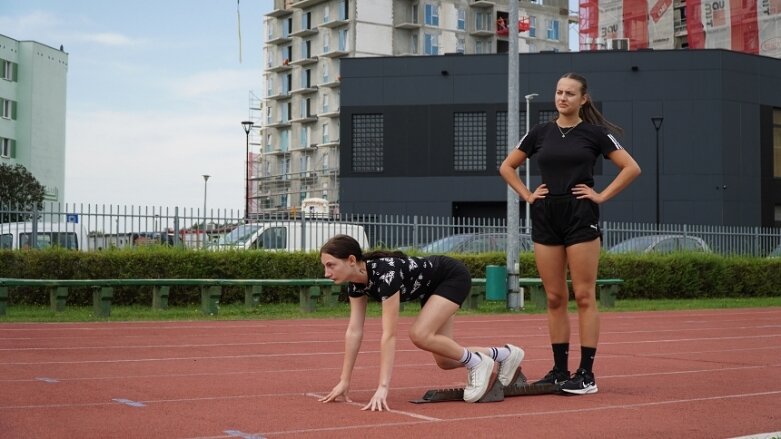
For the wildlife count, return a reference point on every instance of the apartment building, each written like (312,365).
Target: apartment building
(297,133)
(33,79)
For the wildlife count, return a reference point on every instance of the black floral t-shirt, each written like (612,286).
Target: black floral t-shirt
(412,276)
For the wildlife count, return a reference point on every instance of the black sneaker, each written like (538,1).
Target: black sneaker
(582,383)
(555,377)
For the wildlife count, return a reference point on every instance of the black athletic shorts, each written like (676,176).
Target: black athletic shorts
(564,220)
(452,280)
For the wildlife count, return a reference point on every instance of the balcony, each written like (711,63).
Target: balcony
(310,118)
(336,53)
(284,66)
(304,61)
(305,32)
(280,96)
(279,124)
(481,4)
(335,23)
(279,40)
(279,10)
(329,114)
(329,144)
(304,90)
(301,4)
(482,32)
(331,84)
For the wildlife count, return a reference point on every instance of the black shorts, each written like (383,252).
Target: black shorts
(564,220)
(452,280)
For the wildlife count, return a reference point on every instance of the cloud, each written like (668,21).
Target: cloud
(215,82)
(50,29)
(106,39)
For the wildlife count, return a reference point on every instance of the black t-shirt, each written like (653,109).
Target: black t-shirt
(566,161)
(412,276)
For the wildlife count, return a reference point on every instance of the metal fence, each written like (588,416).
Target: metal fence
(107,226)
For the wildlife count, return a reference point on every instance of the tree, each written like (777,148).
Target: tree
(20,193)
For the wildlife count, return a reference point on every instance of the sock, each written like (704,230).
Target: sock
(500,354)
(470,359)
(561,356)
(587,357)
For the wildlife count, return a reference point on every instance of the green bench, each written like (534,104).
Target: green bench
(607,291)
(310,291)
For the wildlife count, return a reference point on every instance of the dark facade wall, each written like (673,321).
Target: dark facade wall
(713,143)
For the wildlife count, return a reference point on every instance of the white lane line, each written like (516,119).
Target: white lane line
(401,412)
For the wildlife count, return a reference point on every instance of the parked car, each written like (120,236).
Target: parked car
(661,244)
(475,243)
(776,253)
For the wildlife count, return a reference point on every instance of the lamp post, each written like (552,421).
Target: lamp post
(205,180)
(247,124)
(528,98)
(657,121)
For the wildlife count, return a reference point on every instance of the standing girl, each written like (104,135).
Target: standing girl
(565,218)
(441,283)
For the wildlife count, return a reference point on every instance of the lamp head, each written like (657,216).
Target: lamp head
(247,124)
(657,121)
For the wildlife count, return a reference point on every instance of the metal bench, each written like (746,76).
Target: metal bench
(310,290)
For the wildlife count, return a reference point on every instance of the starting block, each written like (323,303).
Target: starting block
(497,392)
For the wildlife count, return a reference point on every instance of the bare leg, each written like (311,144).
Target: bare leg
(433,331)
(551,264)
(583,265)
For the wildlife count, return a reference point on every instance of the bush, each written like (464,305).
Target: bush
(680,275)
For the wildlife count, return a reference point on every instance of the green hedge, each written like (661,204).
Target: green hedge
(646,276)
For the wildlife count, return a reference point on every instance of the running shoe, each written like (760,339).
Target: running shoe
(509,366)
(582,383)
(555,377)
(478,379)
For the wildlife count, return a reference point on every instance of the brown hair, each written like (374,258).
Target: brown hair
(342,246)
(588,111)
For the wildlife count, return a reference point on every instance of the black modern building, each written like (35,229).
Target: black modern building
(426,135)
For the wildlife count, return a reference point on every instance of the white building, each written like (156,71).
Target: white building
(297,118)
(33,79)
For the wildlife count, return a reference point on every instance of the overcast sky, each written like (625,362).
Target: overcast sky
(156,94)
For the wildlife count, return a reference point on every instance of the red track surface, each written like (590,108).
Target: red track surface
(698,374)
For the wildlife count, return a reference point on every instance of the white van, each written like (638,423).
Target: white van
(16,236)
(288,235)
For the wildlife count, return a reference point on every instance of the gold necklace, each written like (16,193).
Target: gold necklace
(564,133)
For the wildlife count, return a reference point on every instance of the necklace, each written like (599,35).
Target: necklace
(564,133)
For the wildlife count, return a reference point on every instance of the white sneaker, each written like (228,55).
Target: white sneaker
(478,379)
(509,366)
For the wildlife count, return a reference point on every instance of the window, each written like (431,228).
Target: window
(268,148)
(326,162)
(502,145)
(325,103)
(461,18)
(306,49)
(6,109)
(343,39)
(325,133)
(469,135)
(303,137)
(413,44)
(269,120)
(532,26)
(432,15)
(287,82)
(482,46)
(342,10)
(777,143)
(269,86)
(306,78)
(7,148)
(306,21)
(482,21)
(284,140)
(431,43)
(367,149)
(326,42)
(460,45)
(553,30)
(287,28)
(326,14)
(272,238)
(325,71)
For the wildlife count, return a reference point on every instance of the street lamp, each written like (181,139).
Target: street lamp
(528,98)
(205,180)
(657,121)
(247,124)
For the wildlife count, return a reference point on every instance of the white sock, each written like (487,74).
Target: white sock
(500,354)
(470,359)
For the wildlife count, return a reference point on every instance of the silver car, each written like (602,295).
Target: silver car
(475,243)
(661,244)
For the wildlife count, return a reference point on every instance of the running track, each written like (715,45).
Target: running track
(694,374)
